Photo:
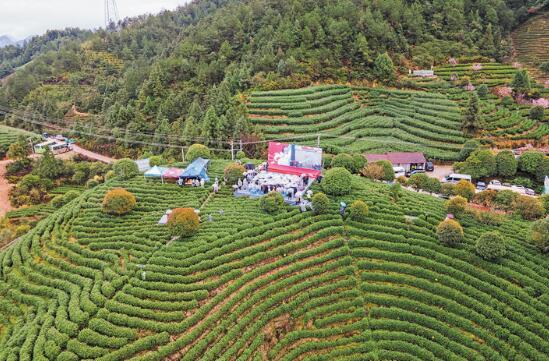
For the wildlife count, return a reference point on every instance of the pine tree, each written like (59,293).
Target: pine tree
(521,82)
(471,120)
(161,135)
(48,167)
(384,70)
(210,125)
(190,131)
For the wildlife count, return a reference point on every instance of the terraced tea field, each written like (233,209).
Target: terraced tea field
(531,43)
(9,135)
(361,119)
(250,286)
(491,74)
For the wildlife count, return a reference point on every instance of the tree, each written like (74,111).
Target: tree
(540,234)
(506,164)
(482,91)
(337,181)
(320,203)
(529,208)
(537,113)
(505,200)
(48,167)
(118,201)
(530,160)
(198,151)
(233,172)
(469,147)
(482,163)
(344,160)
(456,206)
(388,171)
(418,181)
(545,201)
(521,82)
(183,222)
(450,232)
(272,202)
(125,169)
(358,211)
(18,150)
(210,126)
(373,171)
(465,189)
(491,246)
(471,119)
(395,191)
(433,185)
(384,69)
(447,190)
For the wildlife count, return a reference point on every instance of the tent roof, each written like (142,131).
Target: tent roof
(172,173)
(143,165)
(196,169)
(155,171)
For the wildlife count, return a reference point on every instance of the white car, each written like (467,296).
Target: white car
(399,172)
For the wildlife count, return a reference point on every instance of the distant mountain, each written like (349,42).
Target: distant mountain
(6,40)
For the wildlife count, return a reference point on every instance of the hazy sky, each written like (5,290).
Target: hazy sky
(21,18)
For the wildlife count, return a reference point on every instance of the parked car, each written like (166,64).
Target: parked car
(495,182)
(415,171)
(530,192)
(455,177)
(399,171)
(481,186)
(429,167)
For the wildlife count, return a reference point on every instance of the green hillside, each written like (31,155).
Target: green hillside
(531,43)
(249,286)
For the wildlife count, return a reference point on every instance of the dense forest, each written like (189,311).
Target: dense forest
(176,77)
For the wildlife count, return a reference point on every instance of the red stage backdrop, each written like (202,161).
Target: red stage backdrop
(295,159)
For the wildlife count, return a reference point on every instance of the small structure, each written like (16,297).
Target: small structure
(156,172)
(143,165)
(408,161)
(546,185)
(172,173)
(198,169)
(423,73)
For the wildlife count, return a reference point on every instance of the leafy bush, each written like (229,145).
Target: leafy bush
(456,206)
(344,160)
(118,201)
(469,147)
(388,171)
(358,211)
(402,180)
(395,191)
(529,208)
(69,196)
(418,181)
(540,234)
(537,113)
(465,189)
(543,170)
(482,163)
(530,161)
(155,160)
(506,163)
(545,201)
(482,91)
(450,232)
(57,201)
(233,172)
(505,200)
(320,203)
(92,183)
(110,175)
(240,155)
(272,202)
(447,189)
(373,171)
(183,222)
(337,181)
(125,169)
(198,151)
(485,198)
(491,245)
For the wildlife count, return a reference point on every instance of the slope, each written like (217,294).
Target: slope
(531,45)
(361,119)
(250,286)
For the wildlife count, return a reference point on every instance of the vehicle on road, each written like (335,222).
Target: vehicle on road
(415,171)
(481,186)
(429,167)
(399,172)
(455,177)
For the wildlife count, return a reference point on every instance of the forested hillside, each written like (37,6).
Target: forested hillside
(178,72)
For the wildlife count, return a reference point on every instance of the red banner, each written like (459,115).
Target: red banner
(295,159)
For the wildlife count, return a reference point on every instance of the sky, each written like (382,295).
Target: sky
(22,18)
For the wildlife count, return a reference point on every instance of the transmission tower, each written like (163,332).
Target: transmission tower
(111,13)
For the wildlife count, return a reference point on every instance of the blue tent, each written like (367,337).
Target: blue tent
(198,169)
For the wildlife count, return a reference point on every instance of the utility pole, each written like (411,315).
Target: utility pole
(241,147)
(183,154)
(318,140)
(111,13)
(232,150)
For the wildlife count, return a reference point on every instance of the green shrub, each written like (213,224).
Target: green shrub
(110,175)
(468,148)
(118,201)
(465,189)
(529,208)
(69,196)
(388,171)
(156,160)
(240,155)
(337,181)
(545,201)
(530,161)
(491,245)
(456,206)
(233,172)
(272,202)
(450,232)
(197,151)
(482,91)
(540,234)
(57,201)
(418,181)
(537,113)
(358,211)
(344,160)
(125,169)
(320,203)
(92,183)
(505,200)
(183,222)
(447,190)
(506,163)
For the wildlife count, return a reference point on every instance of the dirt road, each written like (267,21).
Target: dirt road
(92,155)
(4,189)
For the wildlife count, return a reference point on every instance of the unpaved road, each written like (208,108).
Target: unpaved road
(5,187)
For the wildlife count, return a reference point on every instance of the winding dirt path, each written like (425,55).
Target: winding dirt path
(5,187)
